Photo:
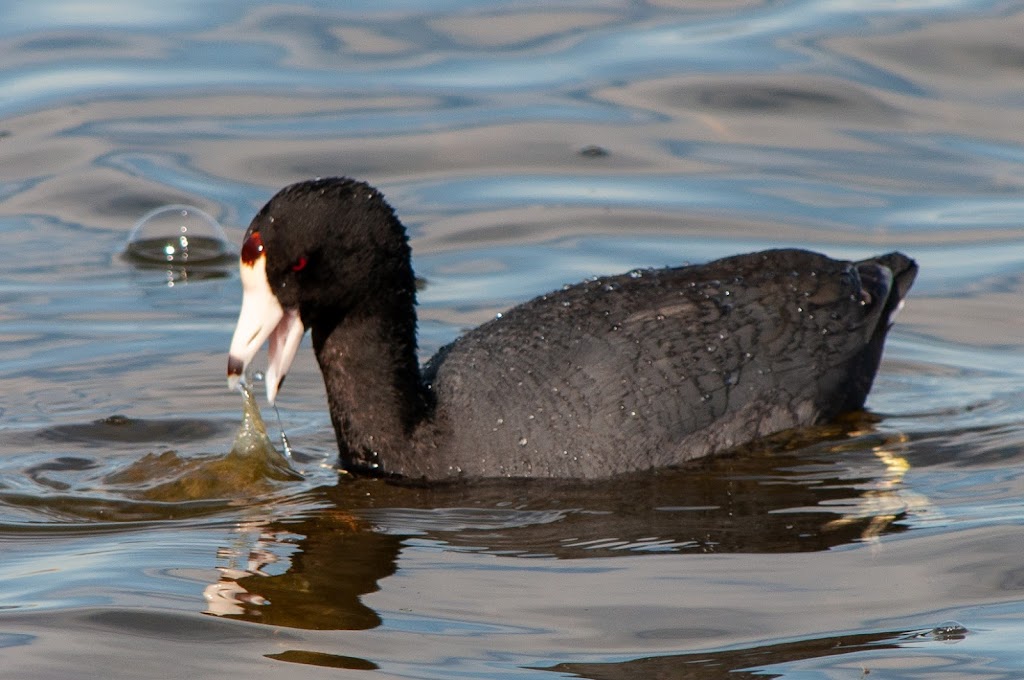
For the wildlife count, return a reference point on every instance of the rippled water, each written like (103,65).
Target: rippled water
(525,146)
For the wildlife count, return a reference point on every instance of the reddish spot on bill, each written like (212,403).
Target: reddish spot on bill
(252,249)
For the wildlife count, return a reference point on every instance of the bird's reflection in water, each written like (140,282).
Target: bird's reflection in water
(334,559)
(808,491)
(884,498)
(248,555)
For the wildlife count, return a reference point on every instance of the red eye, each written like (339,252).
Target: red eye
(252,249)
(300,264)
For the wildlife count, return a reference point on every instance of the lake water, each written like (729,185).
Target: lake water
(526,146)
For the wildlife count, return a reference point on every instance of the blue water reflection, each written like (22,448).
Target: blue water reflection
(781,35)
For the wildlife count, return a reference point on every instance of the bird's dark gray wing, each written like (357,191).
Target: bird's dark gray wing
(657,367)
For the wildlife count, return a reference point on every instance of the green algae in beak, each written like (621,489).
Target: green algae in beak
(253,445)
(253,467)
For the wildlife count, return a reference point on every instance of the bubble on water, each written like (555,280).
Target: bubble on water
(178,235)
(949,631)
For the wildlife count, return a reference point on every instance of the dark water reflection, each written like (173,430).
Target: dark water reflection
(761,501)
(852,128)
(748,664)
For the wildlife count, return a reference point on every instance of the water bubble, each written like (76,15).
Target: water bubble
(950,631)
(178,234)
(183,241)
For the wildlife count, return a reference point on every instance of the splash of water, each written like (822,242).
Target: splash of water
(254,444)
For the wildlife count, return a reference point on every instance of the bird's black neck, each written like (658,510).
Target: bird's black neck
(374,390)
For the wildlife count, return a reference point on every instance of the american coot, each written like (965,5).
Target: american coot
(622,373)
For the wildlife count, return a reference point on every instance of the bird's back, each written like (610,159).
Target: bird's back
(657,367)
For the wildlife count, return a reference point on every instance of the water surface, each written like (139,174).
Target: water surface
(525,147)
